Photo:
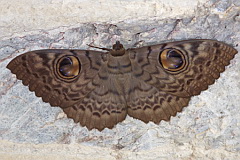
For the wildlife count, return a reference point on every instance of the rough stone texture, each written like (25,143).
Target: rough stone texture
(208,128)
(28,15)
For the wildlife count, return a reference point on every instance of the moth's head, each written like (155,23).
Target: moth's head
(117,50)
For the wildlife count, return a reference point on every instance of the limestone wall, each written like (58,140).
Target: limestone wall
(30,129)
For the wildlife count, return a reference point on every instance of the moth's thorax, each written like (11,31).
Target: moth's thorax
(117,49)
(117,53)
(119,64)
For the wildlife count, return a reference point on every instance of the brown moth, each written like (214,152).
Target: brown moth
(99,89)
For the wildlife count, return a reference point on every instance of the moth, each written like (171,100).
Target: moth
(99,89)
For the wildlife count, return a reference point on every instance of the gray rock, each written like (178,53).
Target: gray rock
(208,127)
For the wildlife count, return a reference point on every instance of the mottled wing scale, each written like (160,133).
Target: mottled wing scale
(103,107)
(168,92)
(80,99)
(205,60)
(99,89)
(150,104)
(36,70)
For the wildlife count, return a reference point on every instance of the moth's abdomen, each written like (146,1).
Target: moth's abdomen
(119,64)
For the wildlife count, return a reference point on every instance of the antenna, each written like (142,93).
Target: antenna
(106,49)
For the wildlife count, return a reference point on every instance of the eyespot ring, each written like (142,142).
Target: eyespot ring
(172,59)
(68,67)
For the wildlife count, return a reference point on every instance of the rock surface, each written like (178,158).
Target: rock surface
(30,129)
